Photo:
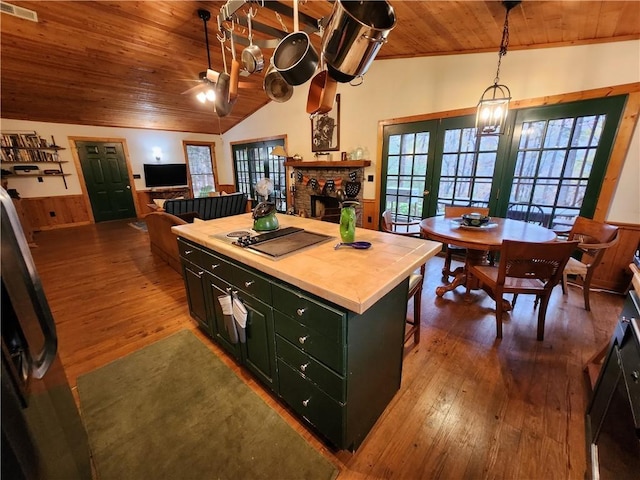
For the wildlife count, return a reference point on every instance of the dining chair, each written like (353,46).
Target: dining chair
(401,228)
(527,213)
(594,239)
(416,279)
(524,268)
(456,211)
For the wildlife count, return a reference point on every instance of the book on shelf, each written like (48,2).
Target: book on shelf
(24,140)
(18,147)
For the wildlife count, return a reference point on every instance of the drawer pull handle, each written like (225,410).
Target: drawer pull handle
(304,366)
(303,339)
(188,252)
(214,266)
(200,273)
(249,283)
(305,403)
(300,311)
(635,375)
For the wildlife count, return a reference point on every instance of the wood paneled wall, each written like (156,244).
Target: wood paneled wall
(46,213)
(614,273)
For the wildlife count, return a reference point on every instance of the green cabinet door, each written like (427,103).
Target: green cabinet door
(258,351)
(221,324)
(194,285)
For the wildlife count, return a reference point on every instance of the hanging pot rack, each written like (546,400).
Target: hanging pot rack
(229,10)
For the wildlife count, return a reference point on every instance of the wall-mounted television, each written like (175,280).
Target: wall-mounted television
(165,174)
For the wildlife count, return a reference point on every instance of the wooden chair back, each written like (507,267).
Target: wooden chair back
(528,260)
(387,221)
(525,268)
(594,237)
(453,211)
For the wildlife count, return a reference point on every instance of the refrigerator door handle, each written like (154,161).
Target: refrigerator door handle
(23,285)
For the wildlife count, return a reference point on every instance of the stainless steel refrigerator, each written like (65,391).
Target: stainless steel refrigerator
(42,434)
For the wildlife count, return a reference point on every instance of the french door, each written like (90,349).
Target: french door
(553,157)
(253,162)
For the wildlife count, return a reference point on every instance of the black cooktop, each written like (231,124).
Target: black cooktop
(283,241)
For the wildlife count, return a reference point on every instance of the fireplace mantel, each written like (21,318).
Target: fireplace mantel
(320,164)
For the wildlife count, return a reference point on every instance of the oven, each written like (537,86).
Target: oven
(613,414)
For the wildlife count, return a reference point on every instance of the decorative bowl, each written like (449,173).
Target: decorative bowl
(475,219)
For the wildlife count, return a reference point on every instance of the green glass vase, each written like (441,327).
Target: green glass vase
(348,222)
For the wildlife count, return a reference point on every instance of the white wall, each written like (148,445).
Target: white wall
(417,86)
(140,144)
(391,89)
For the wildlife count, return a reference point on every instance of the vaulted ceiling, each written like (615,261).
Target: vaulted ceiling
(127,63)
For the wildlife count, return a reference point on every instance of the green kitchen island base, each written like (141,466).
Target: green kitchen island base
(336,367)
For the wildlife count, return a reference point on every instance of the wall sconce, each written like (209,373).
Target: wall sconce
(494,102)
(157,153)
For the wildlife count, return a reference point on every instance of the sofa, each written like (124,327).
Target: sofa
(208,208)
(163,242)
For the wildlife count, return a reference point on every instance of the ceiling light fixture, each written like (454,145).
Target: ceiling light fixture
(494,102)
(209,94)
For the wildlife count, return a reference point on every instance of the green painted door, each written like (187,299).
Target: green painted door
(104,168)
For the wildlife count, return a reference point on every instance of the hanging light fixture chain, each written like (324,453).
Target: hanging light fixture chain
(504,43)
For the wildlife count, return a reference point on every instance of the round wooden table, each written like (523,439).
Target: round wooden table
(479,241)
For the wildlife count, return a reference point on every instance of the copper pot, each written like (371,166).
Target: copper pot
(322,93)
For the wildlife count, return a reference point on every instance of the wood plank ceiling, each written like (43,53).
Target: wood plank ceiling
(127,63)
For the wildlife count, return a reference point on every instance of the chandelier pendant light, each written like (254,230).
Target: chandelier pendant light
(494,102)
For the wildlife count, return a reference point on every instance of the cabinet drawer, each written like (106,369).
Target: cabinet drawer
(327,380)
(252,284)
(190,252)
(315,406)
(218,266)
(324,349)
(630,363)
(318,316)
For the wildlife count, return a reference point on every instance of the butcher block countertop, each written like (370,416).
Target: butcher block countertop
(353,279)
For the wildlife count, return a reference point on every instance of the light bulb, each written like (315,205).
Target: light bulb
(201,97)
(211,95)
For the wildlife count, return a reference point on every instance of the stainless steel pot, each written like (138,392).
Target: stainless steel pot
(295,58)
(252,58)
(276,88)
(353,36)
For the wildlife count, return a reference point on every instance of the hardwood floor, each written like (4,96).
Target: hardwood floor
(470,406)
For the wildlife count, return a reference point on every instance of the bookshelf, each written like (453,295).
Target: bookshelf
(23,155)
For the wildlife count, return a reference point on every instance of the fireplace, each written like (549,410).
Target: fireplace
(325,208)
(315,186)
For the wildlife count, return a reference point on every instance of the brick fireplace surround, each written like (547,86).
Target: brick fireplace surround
(323,209)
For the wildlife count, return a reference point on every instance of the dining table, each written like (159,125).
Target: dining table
(479,242)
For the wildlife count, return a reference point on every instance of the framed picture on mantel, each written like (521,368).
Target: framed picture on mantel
(325,129)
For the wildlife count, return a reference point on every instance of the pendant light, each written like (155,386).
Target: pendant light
(494,102)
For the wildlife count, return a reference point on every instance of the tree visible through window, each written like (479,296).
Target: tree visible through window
(201,168)
(551,158)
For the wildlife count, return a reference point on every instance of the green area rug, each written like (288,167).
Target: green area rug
(173,410)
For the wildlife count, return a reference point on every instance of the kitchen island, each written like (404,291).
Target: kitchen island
(325,327)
